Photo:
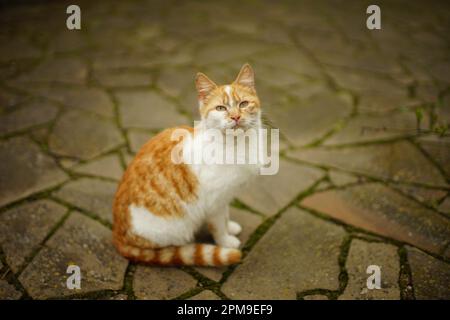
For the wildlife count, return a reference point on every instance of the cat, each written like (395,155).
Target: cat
(160,205)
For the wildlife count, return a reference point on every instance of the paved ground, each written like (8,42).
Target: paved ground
(365,167)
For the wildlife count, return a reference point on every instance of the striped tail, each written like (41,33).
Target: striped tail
(188,255)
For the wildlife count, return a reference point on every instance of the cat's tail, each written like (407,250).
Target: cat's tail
(188,255)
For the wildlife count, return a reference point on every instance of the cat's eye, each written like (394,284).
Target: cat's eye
(243,104)
(221,108)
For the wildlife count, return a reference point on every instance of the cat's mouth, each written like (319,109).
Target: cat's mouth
(239,126)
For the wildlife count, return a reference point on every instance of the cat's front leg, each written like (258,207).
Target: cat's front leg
(218,226)
(234,228)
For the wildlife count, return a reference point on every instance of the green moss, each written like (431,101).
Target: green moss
(7,275)
(33,254)
(128,281)
(189,294)
(236,203)
(204,283)
(405,277)
(83,211)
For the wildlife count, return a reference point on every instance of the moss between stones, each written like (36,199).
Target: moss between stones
(33,254)
(405,277)
(128,281)
(11,278)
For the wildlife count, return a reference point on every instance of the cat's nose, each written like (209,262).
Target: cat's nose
(235,117)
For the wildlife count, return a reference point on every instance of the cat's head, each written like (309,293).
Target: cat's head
(232,106)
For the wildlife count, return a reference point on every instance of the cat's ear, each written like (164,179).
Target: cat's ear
(204,85)
(246,77)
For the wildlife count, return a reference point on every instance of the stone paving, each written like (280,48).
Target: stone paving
(365,164)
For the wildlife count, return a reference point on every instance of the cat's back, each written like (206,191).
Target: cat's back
(160,146)
(153,180)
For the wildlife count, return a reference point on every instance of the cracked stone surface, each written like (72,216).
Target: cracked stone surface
(428,196)
(175,81)
(137,139)
(30,115)
(206,295)
(438,149)
(377,208)
(8,100)
(19,48)
(287,57)
(24,228)
(339,178)
(315,297)
(83,136)
(120,297)
(63,70)
(430,276)
(80,241)
(88,99)
(368,128)
(148,109)
(349,102)
(445,205)
(107,167)
(93,195)
(122,79)
(268,194)
(152,283)
(309,249)
(25,170)
(328,110)
(398,161)
(363,254)
(8,292)
(377,94)
(221,50)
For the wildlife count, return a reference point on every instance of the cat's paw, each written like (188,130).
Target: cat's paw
(229,242)
(234,228)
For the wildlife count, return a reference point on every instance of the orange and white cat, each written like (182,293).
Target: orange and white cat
(160,205)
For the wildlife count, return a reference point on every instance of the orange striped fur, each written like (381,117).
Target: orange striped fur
(206,255)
